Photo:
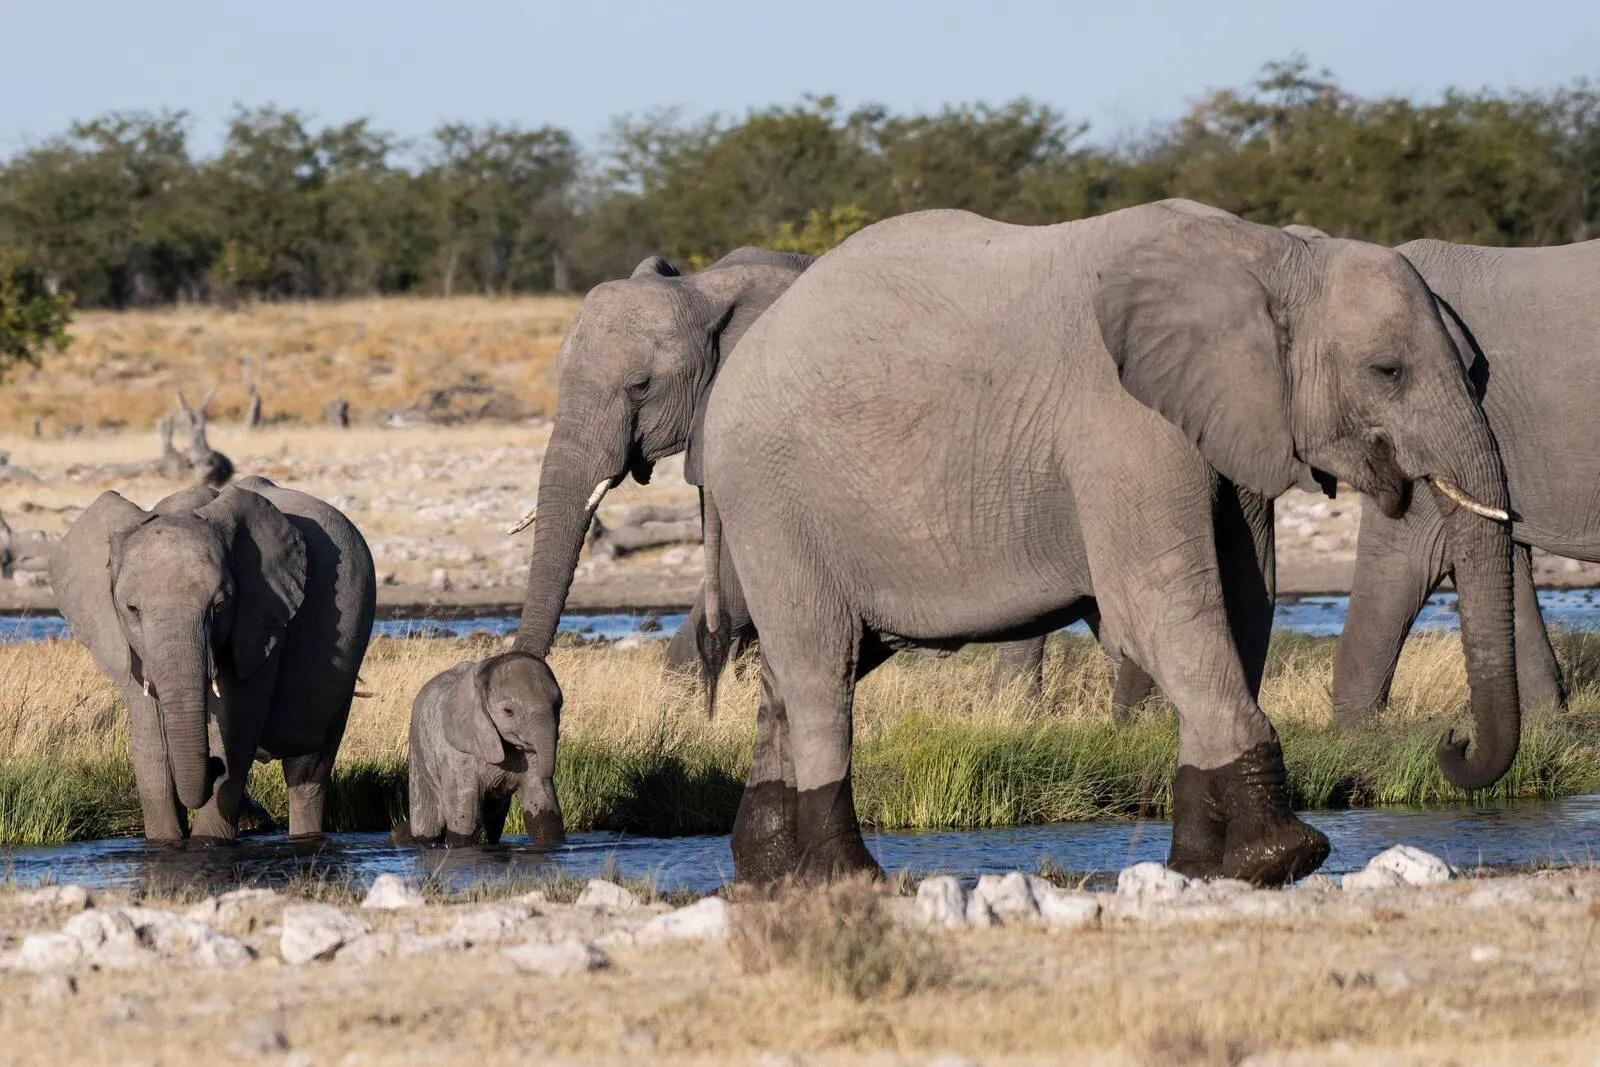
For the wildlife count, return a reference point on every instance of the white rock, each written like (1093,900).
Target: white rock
(942,901)
(704,920)
(1063,908)
(212,949)
(54,986)
(1008,896)
(979,913)
(369,948)
(231,906)
(1316,883)
(491,924)
(100,927)
(57,896)
(1500,892)
(571,956)
(316,931)
(1414,866)
(610,896)
(1371,878)
(49,952)
(1150,881)
(1486,953)
(391,891)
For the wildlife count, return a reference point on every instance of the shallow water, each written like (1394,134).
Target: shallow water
(1319,616)
(1556,832)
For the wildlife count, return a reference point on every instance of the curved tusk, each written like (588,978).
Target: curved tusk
(599,492)
(525,522)
(147,687)
(1449,489)
(214,690)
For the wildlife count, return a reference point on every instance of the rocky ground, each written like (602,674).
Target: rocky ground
(1404,962)
(435,503)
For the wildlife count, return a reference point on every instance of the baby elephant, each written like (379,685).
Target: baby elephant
(481,733)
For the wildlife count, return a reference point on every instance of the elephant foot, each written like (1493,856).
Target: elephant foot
(455,840)
(544,828)
(1234,821)
(209,841)
(831,847)
(766,846)
(1351,717)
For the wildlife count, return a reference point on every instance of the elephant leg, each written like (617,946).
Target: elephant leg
(815,667)
(426,816)
(682,654)
(541,811)
(218,821)
(158,798)
(766,845)
(309,780)
(1019,662)
(1133,687)
(1538,673)
(1399,563)
(492,813)
(1246,561)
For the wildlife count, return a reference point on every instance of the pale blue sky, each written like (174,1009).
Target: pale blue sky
(1120,64)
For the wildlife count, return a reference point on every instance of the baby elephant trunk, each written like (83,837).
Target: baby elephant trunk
(541,809)
(181,697)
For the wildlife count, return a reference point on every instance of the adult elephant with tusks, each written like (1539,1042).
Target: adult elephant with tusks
(952,429)
(1527,325)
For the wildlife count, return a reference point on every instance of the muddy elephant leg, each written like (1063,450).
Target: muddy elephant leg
(309,780)
(1019,663)
(158,798)
(1399,563)
(766,847)
(1538,674)
(541,811)
(218,822)
(493,812)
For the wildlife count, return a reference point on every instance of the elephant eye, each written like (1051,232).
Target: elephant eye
(637,390)
(133,609)
(1387,369)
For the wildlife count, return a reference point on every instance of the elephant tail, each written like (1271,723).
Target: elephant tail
(712,634)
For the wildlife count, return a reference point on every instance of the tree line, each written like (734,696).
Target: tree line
(120,211)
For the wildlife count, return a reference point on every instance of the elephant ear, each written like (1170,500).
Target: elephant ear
(80,574)
(185,501)
(1193,333)
(654,267)
(269,572)
(468,725)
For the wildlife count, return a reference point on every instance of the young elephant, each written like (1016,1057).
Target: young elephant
(234,623)
(481,733)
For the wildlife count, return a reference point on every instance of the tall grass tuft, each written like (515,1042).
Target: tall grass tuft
(932,749)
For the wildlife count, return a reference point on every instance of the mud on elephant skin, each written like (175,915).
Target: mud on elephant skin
(1526,322)
(1175,347)
(484,733)
(234,623)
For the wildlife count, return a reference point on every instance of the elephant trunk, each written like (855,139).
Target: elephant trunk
(181,683)
(542,811)
(571,483)
(1480,550)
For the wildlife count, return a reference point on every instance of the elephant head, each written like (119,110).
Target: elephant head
(513,700)
(635,371)
(1289,360)
(162,597)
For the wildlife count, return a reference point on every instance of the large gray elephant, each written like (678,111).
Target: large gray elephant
(952,429)
(234,623)
(1527,321)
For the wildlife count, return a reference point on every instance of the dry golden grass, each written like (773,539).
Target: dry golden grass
(123,368)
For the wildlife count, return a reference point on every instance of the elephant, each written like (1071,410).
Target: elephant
(483,732)
(1527,322)
(953,429)
(262,595)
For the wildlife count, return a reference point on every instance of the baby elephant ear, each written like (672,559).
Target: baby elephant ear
(654,267)
(1192,330)
(469,726)
(80,574)
(269,572)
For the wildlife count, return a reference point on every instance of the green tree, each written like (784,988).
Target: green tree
(32,317)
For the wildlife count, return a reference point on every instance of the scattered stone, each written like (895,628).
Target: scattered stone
(1499,892)
(75,897)
(231,907)
(1007,896)
(316,931)
(1486,953)
(49,952)
(391,891)
(439,581)
(1371,878)
(1414,866)
(608,896)
(1316,883)
(1150,881)
(942,901)
(704,920)
(1063,908)
(571,956)
(491,924)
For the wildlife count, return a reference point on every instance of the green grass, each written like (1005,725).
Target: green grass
(918,773)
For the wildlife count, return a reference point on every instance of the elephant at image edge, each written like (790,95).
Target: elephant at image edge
(234,623)
(1527,321)
(1174,343)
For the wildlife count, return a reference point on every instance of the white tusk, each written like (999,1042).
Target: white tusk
(524,522)
(1449,489)
(527,520)
(599,492)
(147,687)
(214,690)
